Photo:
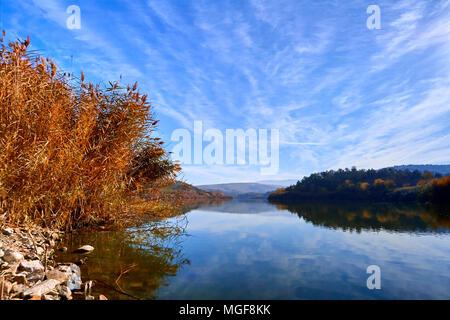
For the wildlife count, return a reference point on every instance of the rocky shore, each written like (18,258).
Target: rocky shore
(28,270)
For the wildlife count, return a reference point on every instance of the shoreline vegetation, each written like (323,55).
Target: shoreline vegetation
(367,186)
(75,154)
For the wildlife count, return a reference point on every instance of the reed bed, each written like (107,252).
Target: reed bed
(72,153)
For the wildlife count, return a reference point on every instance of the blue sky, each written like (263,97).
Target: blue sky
(340,94)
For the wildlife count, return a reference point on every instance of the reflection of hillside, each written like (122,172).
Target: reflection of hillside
(153,253)
(375,217)
(239,206)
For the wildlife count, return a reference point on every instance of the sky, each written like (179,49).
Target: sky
(340,94)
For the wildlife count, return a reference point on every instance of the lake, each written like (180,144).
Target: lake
(257,250)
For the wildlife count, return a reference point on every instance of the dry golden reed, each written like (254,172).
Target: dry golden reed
(71,154)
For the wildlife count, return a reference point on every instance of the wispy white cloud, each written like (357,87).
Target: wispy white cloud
(340,94)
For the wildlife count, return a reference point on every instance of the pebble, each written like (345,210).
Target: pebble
(85,249)
(19,288)
(11,255)
(2,253)
(34,266)
(8,231)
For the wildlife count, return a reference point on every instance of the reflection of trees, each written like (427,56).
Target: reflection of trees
(373,217)
(149,254)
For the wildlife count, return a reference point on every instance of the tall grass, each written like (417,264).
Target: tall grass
(71,154)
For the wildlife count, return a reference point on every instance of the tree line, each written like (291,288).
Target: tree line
(368,185)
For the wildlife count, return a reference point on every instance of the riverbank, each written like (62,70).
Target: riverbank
(28,270)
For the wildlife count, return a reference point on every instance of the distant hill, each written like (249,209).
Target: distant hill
(443,169)
(280,183)
(184,192)
(236,190)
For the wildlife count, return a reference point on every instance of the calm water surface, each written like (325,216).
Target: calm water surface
(256,250)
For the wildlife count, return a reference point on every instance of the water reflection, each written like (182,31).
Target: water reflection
(239,207)
(357,217)
(131,264)
(266,252)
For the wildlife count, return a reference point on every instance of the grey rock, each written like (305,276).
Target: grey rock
(41,288)
(12,256)
(73,275)
(85,249)
(34,266)
(19,288)
(34,277)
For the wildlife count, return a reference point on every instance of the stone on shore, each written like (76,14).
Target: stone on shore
(8,231)
(69,274)
(34,266)
(12,256)
(57,275)
(64,292)
(41,288)
(18,289)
